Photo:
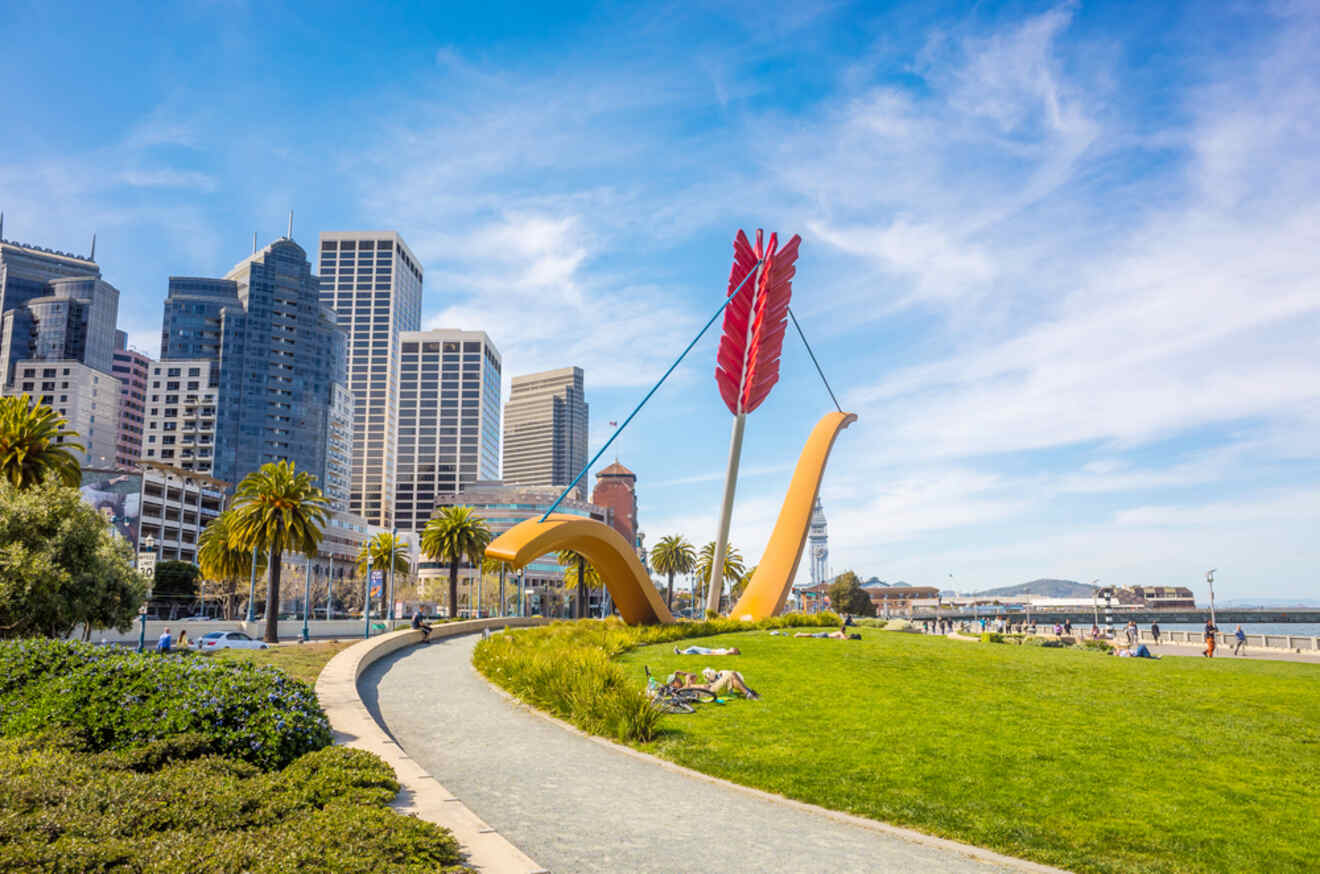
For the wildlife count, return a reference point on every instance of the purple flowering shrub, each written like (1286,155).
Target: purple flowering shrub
(115,700)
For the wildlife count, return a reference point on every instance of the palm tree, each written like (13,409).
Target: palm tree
(383,549)
(455,534)
(577,567)
(277,508)
(35,442)
(673,555)
(495,566)
(733,563)
(221,562)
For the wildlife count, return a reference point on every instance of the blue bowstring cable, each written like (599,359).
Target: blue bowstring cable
(637,409)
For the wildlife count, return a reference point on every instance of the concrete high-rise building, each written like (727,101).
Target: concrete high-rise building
(88,398)
(449,419)
(616,488)
(182,406)
(277,355)
(545,429)
(133,370)
(372,280)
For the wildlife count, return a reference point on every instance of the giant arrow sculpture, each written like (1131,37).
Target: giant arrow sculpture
(747,365)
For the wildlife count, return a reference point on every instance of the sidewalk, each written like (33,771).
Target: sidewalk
(577,805)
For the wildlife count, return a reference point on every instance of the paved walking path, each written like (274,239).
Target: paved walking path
(575,805)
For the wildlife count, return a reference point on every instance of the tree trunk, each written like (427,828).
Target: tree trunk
(582,587)
(453,589)
(272,634)
(669,593)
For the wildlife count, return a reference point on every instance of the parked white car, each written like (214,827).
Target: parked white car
(214,640)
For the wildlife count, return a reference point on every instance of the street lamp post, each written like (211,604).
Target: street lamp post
(366,601)
(501,588)
(307,599)
(330,590)
(394,535)
(150,543)
(1095,604)
(1210,580)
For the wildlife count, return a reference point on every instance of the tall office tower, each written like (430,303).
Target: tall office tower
(616,488)
(372,280)
(277,356)
(133,370)
(73,321)
(181,414)
(818,540)
(26,270)
(449,418)
(86,397)
(545,429)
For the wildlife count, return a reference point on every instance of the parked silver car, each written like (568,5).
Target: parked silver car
(214,640)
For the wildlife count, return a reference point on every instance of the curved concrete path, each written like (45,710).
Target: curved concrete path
(579,805)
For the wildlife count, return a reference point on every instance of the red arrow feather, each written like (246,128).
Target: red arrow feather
(747,364)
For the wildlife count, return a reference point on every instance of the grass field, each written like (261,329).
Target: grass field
(300,661)
(1076,759)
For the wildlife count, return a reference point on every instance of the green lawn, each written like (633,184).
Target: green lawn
(1076,759)
(300,661)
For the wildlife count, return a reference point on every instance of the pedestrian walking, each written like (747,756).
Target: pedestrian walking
(1067,626)
(1155,632)
(1241,637)
(1210,633)
(166,641)
(1132,634)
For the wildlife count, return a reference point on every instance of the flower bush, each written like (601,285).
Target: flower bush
(568,668)
(115,700)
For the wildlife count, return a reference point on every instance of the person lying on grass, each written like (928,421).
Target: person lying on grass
(716,682)
(706,650)
(841,634)
(1141,652)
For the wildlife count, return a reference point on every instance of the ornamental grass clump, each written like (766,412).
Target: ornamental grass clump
(568,668)
(117,700)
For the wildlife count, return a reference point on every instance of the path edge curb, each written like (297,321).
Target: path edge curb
(910,835)
(421,794)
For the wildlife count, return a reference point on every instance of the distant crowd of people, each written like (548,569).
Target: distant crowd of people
(1131,633)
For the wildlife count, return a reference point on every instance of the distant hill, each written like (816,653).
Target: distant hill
(1048,588)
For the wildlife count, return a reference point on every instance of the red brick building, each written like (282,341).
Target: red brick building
(616,488)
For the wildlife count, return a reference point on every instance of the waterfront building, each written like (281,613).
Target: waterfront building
(545,429)
(181,414)
(503,505)
(133,370)
(1159,597)
(616,488)
(86,397)
(373,282)
(449,419)
(277,355)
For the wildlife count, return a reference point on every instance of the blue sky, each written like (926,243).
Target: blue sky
(1063,260)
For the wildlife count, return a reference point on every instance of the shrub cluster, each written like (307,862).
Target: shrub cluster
(165,807)
(115,700)
(115,761)
(568,668)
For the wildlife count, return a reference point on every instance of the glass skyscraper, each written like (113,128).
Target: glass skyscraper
(373,282)
(449,419)
(281,364)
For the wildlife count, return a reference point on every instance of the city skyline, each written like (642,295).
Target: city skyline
(1059,258)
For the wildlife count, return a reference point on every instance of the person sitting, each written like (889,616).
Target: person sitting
(421,626)
(163,645)
(706,650)
(183,642)
(715,682)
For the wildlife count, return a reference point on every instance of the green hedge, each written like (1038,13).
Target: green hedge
(117,699)
(568,668)
(165,808)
